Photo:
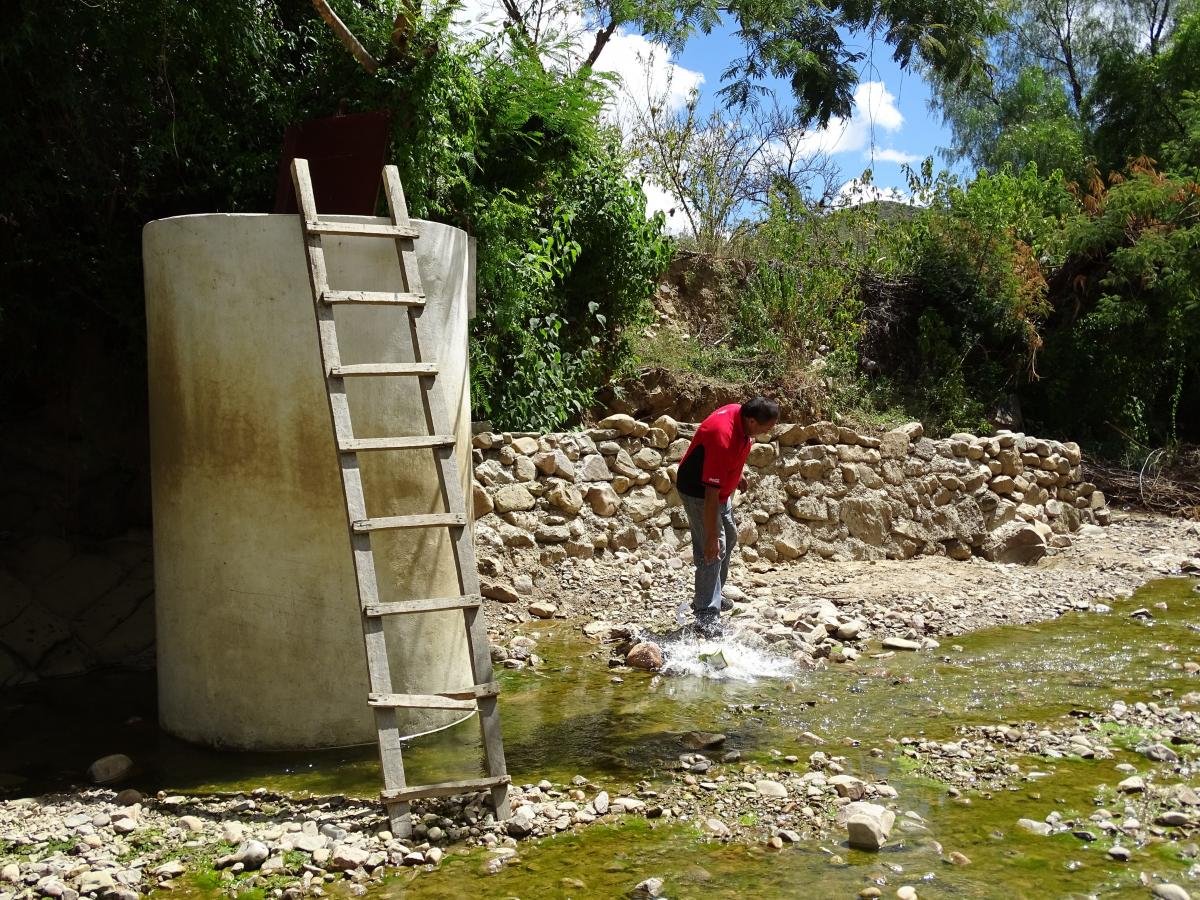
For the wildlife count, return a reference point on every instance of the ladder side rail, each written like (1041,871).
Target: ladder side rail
(438,421)
(374,639)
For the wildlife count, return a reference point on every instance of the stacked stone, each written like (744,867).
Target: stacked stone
(817,488)
(66,608)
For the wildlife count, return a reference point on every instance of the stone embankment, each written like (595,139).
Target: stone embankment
(814,490)
(69,607)
(111,845)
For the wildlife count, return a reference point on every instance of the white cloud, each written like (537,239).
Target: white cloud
(874,108)
(887,154)
(477,18)
(644,69)
(647,73)
(658,199)
(855,193)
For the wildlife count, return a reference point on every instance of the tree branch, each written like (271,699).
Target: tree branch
(602,37)
(518,19)
(357,50)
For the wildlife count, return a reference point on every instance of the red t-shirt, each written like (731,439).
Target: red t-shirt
(716,456)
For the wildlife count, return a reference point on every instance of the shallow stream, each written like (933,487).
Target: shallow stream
(571,717)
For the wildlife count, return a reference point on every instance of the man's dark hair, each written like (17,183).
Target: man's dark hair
(760,409)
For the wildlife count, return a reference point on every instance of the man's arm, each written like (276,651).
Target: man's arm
(712,544)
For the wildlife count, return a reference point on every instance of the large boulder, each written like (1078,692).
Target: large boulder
(643,503)
(867,824)
(603,500)
(513,498)
(108,769)
(668,425)
(555,462)
(1014,542)
(481,499)
(647,459)
(594,468)
(894,444)
(868,517)
(761,455)
(566,498)
(795,435)
(792,541)
(624,424)
(645,655)
(848,786)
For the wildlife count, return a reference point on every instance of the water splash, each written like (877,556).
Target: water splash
(726,659)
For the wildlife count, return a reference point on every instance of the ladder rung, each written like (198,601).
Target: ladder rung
(355,445)
(446,789)
(368,297)
(437,604)
(361,229)
(431,520)
(444,700)
(383,369)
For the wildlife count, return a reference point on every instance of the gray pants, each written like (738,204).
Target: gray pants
(710,576)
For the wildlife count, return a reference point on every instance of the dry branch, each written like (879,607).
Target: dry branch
(1172,488)
(365,59)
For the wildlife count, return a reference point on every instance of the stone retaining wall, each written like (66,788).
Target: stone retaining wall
(812,489)
(68,607)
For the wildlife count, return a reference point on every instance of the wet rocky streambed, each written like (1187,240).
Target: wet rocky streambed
(1049,760)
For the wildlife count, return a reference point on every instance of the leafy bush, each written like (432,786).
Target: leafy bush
(962,295)
(142,109)
(1124,345)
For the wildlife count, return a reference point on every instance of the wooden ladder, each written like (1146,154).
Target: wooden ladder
(482,693)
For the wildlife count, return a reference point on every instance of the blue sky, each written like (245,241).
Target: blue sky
(889,124)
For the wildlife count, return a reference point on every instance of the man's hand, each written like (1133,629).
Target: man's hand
(712,547)
(742,483)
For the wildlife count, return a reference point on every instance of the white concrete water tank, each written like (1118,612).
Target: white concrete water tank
(259,638)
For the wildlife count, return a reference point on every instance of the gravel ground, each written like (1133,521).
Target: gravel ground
(101,844)
(918,598)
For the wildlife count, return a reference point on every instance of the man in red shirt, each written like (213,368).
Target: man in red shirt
(710,472)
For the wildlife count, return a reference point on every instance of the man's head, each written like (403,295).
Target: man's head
(759,416)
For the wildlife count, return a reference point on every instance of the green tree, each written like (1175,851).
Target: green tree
(1140,97)
(1124,341)
(1068,79)
(801,41)
(722,169)
(140,109)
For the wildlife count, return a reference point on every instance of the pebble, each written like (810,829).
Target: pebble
(767,788)
(702,740)
(651,887)
(191,823)
(110,768)
(128,797)
(716,828)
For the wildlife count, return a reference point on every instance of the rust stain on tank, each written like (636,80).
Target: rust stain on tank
(251,542)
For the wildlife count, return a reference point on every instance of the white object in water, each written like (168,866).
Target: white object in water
(681,612)
(716,659)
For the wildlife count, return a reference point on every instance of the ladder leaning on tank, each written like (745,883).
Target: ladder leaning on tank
(482,694)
